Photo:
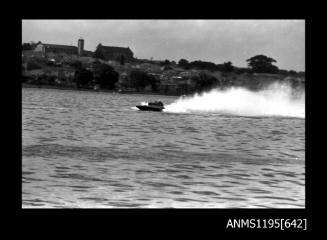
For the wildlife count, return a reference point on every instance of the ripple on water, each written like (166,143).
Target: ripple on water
(206,193)
(75,176)
(89,154)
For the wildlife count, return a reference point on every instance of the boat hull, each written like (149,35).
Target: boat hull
(150,108)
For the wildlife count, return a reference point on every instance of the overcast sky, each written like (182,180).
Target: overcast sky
(217,41)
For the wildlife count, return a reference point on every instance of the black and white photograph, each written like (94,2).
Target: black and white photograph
(163,113)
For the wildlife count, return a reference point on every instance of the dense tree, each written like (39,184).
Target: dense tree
(29,46)
(154,82)
(203,65)
(204,81)
(166,62)
(98,53)
(76,64)
(227,67)
(33,64)
(183,63)
(96,62)
(301,74)
(283,72)
(83,77)
(140,79)
(33,44)
(122,60)
(50,79)
(262,64)
(39,80)
(25,79)
(238,70)
(167,68)
(292,72)
(105,76)
(26,46)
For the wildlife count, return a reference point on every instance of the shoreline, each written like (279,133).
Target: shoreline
(26,85)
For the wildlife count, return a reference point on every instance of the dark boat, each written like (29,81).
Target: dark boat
(152,106)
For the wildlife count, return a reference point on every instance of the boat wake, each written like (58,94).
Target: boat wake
(275,100)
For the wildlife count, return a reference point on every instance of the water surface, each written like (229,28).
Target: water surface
(93,149)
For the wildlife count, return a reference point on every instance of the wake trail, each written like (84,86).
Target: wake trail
(275,100)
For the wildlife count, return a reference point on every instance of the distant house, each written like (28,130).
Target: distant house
(115,53)
(43,49)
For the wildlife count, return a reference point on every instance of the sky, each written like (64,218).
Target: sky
(216,41)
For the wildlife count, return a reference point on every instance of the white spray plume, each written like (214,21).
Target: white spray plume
(275,100)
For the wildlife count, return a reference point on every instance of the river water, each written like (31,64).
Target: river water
(93,149)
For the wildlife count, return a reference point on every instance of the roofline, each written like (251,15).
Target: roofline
(125,48)
(57,45)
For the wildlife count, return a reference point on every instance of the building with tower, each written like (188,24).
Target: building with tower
(115,53)
(44,49)
(108,52)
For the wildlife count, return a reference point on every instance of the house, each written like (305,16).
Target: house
(44,49)
(115,53)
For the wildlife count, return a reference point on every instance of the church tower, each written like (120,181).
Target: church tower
(80,46)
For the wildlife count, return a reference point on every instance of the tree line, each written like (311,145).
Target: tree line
(106,77)
(256,64)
